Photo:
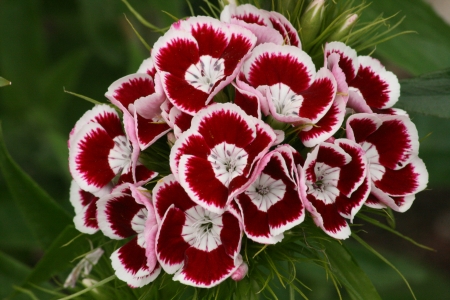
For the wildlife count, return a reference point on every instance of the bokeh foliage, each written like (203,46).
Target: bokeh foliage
(85,45)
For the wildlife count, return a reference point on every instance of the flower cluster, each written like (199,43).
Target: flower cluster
(259,139)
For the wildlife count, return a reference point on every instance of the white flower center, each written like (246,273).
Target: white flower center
(119,157)
(286,102)
(206,73)
(228,162)
(375,168)
(266,191)
(138,225)
(202,228)
(325,186)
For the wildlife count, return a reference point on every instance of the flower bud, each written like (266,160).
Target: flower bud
(345,28)
(240,273)
(311,21)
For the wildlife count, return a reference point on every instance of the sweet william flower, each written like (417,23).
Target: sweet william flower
(391,146)
(214,159)
(125,213)
(335,175)
(272,204)
(197,57)
(200,247)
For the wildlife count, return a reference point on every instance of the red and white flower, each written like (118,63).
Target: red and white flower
(269,27)
(128,212)
(285,80)
(371,87)
(199,246)
(213,160)
(197,57)
(391,146)
(337,185)
(272,204)
(142,97)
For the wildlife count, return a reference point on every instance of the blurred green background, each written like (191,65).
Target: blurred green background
(85,45)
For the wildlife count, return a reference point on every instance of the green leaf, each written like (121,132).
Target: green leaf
(419,53)
(42,214)
(428,94)
(348,272)
(4,82)
(11,272)
(69,245)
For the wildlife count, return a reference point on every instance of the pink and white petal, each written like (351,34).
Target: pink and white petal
(148,131)
(242,83)
(373,202)
(328,125)
(408,180)
(400,204)
(357,102)
(289,33)
(170,245)
(211,121)
(130,88)
(197,177)
(166,106)
(348,59)
(379,88)
(391,111)
(89,158)
(143,175)
(353,174)
(339,75)
(396,140)
(332,155)
(130,129)
(115,214)
(207,269)
(349,206)
(360,126)
(147,67)
(248,101)
(279,137)
(130,265)
(263,34)
(247,13)
(181,121)
(330,220)
(272,64)
(104,115)
(166,192)
(318,98)
(85,219)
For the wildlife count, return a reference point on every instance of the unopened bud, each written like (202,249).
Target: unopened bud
(345,28)
(311,21)
(240,273)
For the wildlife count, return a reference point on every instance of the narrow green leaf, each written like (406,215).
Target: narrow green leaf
(95,102)
(376,253)
(59,255)
(12,272)
(348,272)
(4,82)
(43,215)
(100,283)
(428,94)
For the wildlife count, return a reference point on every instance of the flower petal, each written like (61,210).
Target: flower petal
(85,219)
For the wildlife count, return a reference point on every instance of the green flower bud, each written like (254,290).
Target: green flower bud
(344,29)
(311,21)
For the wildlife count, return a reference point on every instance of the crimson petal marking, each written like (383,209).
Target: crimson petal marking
(360,126)
(130,88)
(166,192)
(104,115)
(147,67)
(373,202)
(230,235)
(408,180)
(207,269)
(332,155)
(181,121)
(318,98)
(328,125)
(212,121)
(143,175)
(282,25)
(115,214)
(88,158)
(352,174)
(130,265)
(85,206)
(330,220)
(148,131)
(349,206)
(400,129)
(348,59)
(247,101)
(332,63)
(200,183)
(379,88)
(400,204)
(170,245)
